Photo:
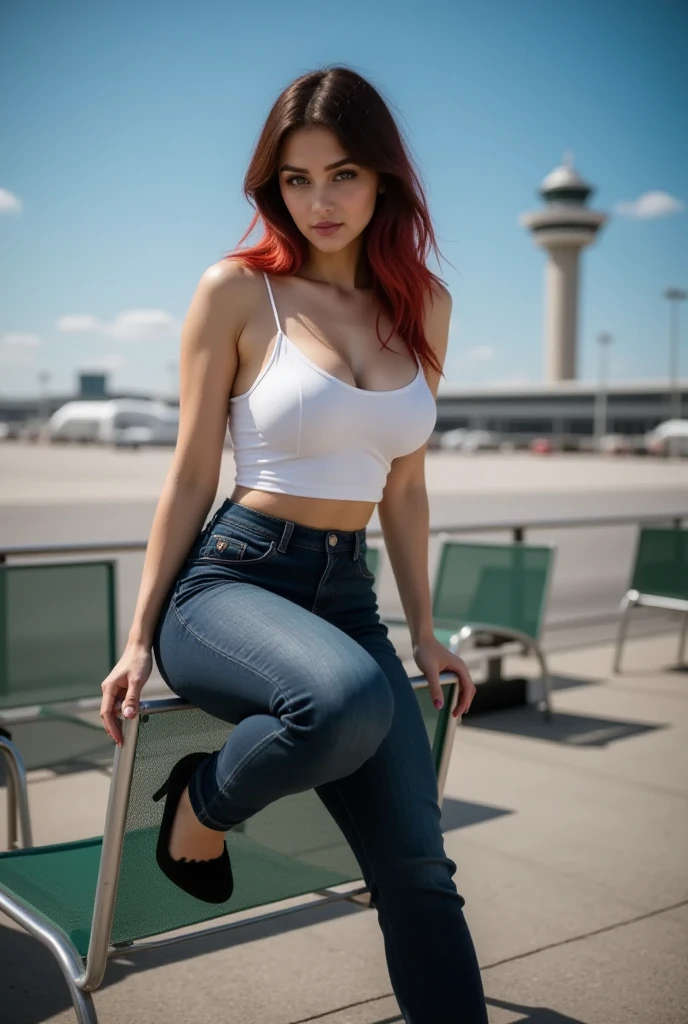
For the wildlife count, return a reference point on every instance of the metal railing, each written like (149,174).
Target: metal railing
(516,527)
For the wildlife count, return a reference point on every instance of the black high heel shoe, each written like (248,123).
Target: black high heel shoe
(207,880)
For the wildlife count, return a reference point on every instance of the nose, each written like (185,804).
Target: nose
(322,203)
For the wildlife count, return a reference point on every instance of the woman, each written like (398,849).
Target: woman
(267,618)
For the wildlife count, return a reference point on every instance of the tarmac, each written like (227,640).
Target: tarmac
(570,839)
(62,495)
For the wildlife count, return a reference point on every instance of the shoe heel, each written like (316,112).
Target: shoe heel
(162,791)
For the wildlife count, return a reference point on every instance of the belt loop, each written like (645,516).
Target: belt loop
(357,546)
(286,537)
(213,519)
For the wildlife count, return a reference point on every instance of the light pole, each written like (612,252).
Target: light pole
(604,340)
(44,378)
(674,295)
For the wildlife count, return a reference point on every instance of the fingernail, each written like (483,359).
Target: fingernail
(129,712)
(439,703)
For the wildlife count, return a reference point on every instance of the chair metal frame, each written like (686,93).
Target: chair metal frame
(18,817)
(522,645)
(84,975)
(634,599)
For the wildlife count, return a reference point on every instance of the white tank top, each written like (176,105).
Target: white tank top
(299,430)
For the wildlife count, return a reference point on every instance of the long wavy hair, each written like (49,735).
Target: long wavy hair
(400,234)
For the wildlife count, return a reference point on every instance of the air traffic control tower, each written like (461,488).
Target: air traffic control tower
(563,227)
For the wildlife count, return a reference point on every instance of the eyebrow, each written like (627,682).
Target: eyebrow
(330,167)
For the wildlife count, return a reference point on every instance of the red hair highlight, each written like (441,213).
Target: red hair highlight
(400,234)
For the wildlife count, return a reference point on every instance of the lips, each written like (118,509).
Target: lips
(326,227)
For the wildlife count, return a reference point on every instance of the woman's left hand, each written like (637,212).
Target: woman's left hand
(432,658)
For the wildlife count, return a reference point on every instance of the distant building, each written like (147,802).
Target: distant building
(565,410)
(564,226)
(93,385)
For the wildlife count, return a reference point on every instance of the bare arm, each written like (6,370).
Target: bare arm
(208,364)
(404,511)
(405,519)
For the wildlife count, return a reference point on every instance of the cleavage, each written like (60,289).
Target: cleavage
(331,361)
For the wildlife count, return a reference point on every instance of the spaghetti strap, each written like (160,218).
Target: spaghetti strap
(272,301)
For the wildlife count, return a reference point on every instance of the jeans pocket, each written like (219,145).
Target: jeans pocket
(363,567)
(229,543)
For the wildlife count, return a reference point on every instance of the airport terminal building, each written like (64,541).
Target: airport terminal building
(562,410)
(565,410)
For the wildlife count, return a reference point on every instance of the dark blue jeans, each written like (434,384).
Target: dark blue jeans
(274,627)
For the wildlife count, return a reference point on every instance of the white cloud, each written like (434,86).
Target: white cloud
(650,205)
(9,203)
(18,348)
(20,339)
(75,324)
(480,354)
(130,326)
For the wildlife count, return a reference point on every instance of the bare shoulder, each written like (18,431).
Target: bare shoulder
(439,302)
(230,281)
(438,309)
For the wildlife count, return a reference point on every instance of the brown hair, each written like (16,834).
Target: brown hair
(400,234)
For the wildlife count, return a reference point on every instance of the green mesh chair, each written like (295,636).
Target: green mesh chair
(493,596)
(88,900)
(57,642)
(659,579)
(57,631)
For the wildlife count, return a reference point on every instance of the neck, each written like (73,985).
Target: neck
(346,270)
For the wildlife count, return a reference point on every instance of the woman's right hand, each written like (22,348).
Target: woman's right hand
(122,688)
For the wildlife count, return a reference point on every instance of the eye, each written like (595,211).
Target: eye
(299,177)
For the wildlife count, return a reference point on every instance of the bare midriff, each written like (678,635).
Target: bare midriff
(318,513)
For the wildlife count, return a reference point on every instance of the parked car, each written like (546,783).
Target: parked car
(132,437)
(480,440)
(453,439)
(33,430)
(614,444)
(541,446)
(669,438)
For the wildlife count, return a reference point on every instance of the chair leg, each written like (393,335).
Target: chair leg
(12,814)
(546,680)
(682,641)
(84,1006)
(629,601)
(17,796)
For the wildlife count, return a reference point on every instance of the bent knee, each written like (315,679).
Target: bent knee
(352,713)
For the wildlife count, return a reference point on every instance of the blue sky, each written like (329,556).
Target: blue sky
(126,129)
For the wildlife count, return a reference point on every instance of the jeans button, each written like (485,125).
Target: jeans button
(332,540)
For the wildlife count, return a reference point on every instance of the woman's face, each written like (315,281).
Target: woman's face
(319,183)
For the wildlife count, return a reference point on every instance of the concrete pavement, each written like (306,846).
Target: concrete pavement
(571,843)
